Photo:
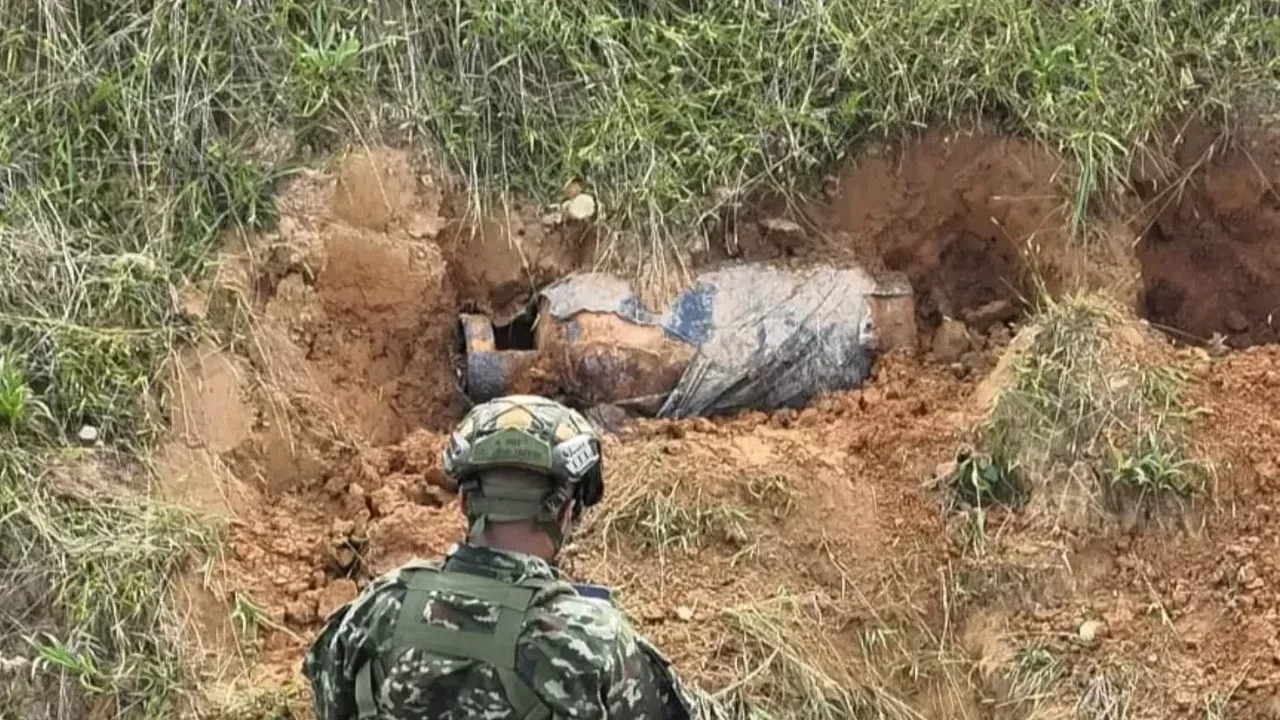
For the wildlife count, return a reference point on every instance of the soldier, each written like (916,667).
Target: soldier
(493,632)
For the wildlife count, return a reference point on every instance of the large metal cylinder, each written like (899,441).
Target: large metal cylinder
(743,337)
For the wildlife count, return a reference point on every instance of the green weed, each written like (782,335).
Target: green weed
(981,481)
(1154,464)
(1034,676)
(17,401)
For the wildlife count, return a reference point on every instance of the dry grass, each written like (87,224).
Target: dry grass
(84,580)
(656,501)
(813,655)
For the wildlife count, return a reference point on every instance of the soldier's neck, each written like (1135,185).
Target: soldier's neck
(520,538)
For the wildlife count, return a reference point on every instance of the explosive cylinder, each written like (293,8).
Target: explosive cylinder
(742,337)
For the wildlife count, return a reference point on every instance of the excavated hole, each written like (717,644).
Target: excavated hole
(964,276)
(1210,265)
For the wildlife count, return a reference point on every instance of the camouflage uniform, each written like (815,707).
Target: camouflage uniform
(579,655)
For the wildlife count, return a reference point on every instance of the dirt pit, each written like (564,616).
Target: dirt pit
(762,552)
(1210,262)
(968,217)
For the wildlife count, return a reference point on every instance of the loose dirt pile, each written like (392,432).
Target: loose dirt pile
(768,554)
(333,336)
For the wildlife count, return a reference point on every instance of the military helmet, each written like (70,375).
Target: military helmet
(526,433)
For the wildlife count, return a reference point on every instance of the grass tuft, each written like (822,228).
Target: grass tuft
(784,672)
(83,590)
(981,481)
(1094,416)
(1034,678)
(680,518)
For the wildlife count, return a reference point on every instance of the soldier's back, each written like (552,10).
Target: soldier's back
(453,646)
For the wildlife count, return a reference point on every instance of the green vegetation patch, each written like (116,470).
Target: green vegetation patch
(85,569)
(1094,416)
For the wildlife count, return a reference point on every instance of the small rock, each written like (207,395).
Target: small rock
(581,207)
(1236,321)
(984,316)
(88,433)
(301,612)
(951,341)
(435,496)
(552,218)
(1091,630)
(422,226)
(684,613)
(975,361)
(336,594)
(1247,574)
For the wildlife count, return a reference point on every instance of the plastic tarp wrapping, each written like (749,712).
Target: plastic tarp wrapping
(765,338)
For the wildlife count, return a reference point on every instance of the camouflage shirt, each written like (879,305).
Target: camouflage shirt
(580,656)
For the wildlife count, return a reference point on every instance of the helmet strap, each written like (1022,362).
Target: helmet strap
(544,514)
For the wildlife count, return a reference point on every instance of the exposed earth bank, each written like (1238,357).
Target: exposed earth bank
(311,425)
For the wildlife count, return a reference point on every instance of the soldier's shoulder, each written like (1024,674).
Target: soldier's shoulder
(564,617)
(577,650)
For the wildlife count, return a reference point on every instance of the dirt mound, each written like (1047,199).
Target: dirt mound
(1171,621)
(737,511)
(1209,264)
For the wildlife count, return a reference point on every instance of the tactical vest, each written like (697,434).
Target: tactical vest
(496,647)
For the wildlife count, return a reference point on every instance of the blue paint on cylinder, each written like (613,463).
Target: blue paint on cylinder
(692,314)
